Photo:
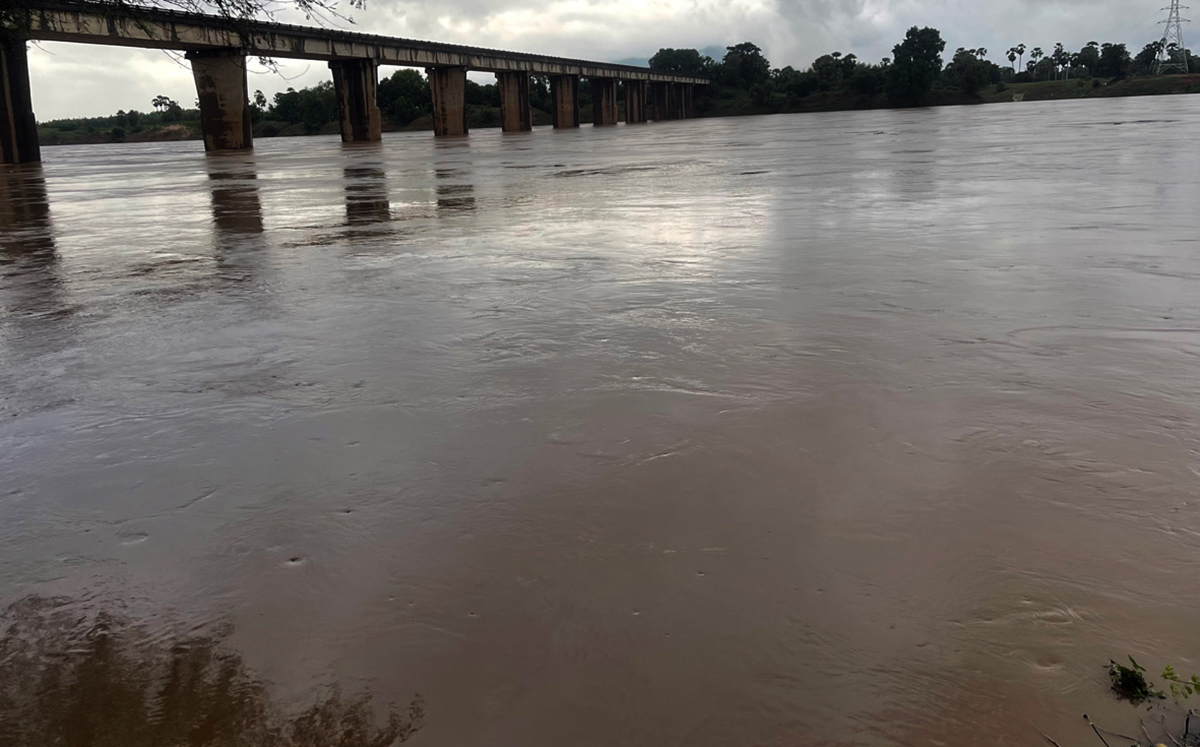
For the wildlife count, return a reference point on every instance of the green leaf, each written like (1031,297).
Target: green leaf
(1136,666)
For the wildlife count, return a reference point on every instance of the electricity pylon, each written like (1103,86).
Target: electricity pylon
(1172,55)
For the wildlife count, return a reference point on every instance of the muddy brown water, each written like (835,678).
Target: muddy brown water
(872,428)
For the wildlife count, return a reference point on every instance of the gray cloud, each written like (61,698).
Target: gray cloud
(75,80)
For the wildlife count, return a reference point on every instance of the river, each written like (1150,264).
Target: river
(870,428)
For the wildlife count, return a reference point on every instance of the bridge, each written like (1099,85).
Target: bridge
(217,48)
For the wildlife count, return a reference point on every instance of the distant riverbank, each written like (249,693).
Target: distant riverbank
(732,102)
(723,102)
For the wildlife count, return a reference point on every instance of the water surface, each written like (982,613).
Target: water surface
(873,428)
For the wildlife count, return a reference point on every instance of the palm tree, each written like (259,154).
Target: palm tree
(1061,60)
(1034,56)
(1021,53)
(1012,57)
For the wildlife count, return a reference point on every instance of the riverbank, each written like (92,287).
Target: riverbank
(729,102)
(724,102)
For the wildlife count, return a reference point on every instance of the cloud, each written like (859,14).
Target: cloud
(76,80)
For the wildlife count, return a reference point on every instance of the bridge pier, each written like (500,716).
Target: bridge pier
(686,92)
(564,95)
(604,101)
(635,101)
(448,85)
(18,127)
(659,107)
(515,114)
(224,102)
(355,83)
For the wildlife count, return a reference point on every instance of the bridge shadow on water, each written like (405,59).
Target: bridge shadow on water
(367,201)
(30,264)
(78,679)
(236,206)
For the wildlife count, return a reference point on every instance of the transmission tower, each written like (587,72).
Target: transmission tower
(1173,55)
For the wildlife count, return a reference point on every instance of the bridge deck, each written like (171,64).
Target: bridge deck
(166,29)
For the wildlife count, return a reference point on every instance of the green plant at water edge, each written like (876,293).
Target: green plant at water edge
(1130,682)
(1179,687)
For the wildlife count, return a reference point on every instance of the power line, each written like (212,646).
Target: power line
(1172,54)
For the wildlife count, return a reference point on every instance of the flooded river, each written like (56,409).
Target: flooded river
(870,428)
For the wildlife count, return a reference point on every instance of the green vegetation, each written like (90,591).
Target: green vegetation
(1130,682)
(169,121)
(917,75)
(743,83)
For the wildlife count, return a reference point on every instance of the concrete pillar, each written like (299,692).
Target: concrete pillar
(674,101)
(515,114)
(449,88)
(604,101)
(686,92)
(635,101)
(659,108)
(355,83)
(564,93)
(224,104)
(18,127)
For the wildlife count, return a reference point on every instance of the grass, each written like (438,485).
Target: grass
(1083,88)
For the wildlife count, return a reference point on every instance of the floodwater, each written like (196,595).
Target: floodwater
(870,428)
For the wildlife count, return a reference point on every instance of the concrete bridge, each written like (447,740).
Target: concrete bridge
(218,47)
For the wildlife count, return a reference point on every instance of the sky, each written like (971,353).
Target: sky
(72,80)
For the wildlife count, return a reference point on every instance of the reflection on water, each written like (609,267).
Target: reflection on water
(75,678)
(32,283)
(366,196)
(453,192)
(236,207)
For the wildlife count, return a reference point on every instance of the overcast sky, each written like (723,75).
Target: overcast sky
(79,80)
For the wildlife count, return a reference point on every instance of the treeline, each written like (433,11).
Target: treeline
(124,124)
(916,72)
(403,99)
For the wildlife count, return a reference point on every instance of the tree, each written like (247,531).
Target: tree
(744,65)
(968,72)
(682,62)
(794,84)
(539,93)
(312,107)
(1062,60)
(1020,50)
(1034,56)
(1146,61)
(1114,61)
(162,103)
(829,70)
(869,80)
(404,96)
(916,64)
(1012,57)
(1088,57)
